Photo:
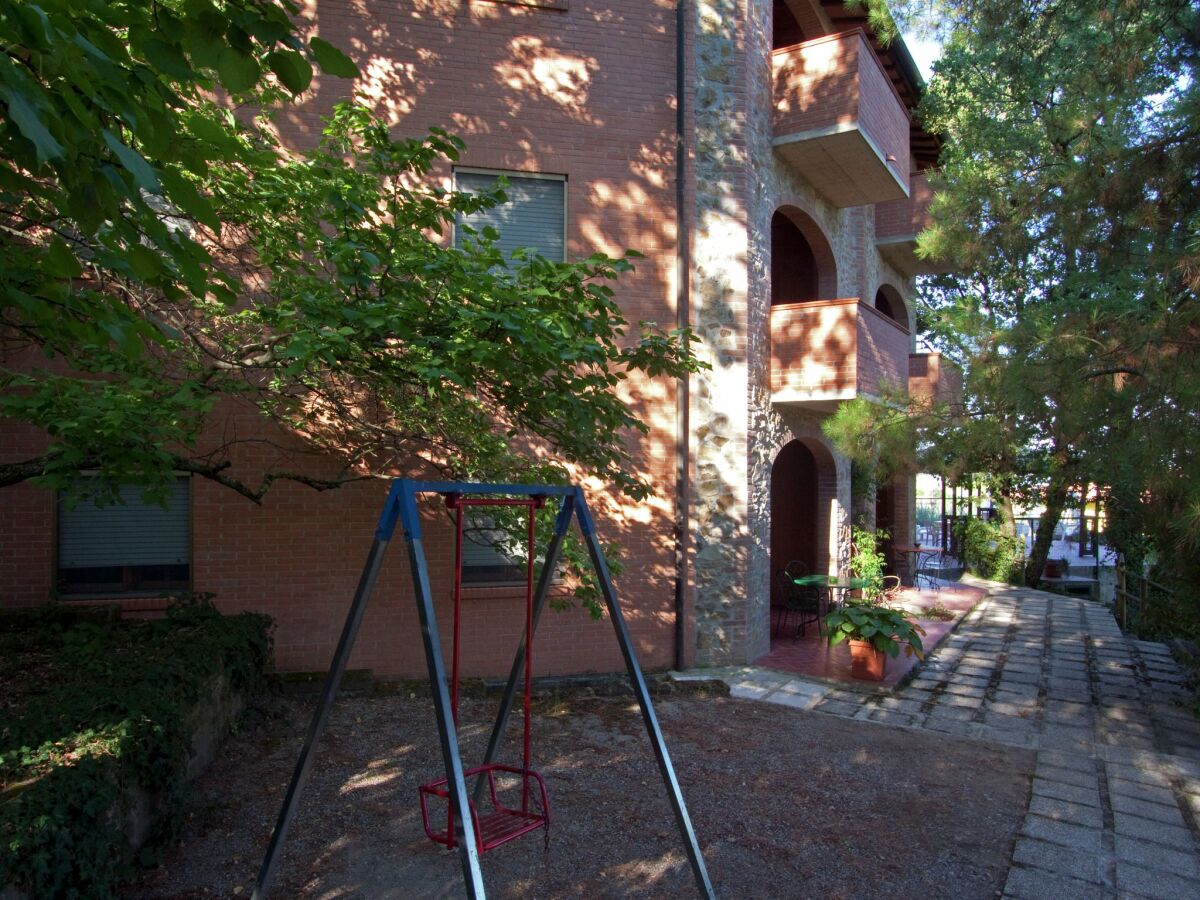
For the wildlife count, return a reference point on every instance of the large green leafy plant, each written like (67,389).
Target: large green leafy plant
(94,712)
(884,628)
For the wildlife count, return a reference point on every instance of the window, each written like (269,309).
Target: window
(544,4)
(535,215)
(489,553)
(127,547)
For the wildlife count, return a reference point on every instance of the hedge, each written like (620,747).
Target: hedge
(93,712)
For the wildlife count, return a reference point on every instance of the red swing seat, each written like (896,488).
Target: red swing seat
(497,823)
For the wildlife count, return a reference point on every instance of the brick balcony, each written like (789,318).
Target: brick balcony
(932,378)
(897,224)
(839,120)
(826,351)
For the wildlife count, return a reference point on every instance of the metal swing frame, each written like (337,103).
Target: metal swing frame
(401,508)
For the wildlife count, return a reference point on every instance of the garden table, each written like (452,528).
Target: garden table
(831,584)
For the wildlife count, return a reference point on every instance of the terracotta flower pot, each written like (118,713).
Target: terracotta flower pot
(866,662)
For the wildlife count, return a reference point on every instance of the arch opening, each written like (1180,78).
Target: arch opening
(889,302)
(785,28)
(802,261)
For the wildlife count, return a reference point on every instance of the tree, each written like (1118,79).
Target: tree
(162,257)
(1069,196)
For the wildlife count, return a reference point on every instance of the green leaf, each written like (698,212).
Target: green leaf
(134,163)
(168,58)
(292,69)
(61,262)
(332,60)
(237,71)
(30,125)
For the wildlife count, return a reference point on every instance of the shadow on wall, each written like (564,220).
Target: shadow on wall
(594,103)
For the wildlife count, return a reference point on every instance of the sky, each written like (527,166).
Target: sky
(924,52)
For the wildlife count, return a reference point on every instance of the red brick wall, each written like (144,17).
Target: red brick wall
(817,83)
(814,346)
(587,93)
(881,113)
(931,376)
(27,557)
(905,218)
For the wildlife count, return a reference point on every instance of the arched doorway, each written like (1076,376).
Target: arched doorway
(795,513)
(802,261)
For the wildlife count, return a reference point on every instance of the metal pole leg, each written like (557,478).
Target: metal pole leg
(638,682)
(332,680)
(464,824)
(561,524)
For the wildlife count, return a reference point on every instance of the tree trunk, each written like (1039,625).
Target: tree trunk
(1056,499)
(1008,518)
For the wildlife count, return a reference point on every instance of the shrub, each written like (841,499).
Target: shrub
(988,553)
(94,710)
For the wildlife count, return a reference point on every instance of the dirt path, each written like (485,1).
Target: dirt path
(786,804)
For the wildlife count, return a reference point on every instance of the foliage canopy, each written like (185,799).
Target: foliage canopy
(1069,197)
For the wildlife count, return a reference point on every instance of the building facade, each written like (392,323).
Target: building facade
(797,197)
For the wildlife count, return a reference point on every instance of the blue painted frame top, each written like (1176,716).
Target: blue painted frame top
(402,501)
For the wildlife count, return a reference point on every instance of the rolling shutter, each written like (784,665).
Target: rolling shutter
(483,561)
(131,533)
(534,216)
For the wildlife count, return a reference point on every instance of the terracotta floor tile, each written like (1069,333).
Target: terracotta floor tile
(811,655)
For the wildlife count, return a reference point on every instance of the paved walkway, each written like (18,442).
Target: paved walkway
(1115,801)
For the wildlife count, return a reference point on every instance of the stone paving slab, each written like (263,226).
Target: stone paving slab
(1114,808)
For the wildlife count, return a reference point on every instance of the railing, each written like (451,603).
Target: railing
(1074,535)
(1137,599)
(831,350)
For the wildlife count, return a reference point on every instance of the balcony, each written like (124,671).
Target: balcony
(933,379)
(839,121)
(897,224)
(827,351)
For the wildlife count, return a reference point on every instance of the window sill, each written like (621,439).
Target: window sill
(560,5)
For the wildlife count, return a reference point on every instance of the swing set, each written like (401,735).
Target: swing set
(477,823)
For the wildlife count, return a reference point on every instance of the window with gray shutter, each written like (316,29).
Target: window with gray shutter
(487,557)
(534,215)
(131,546)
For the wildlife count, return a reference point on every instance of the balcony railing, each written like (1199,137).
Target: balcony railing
(826,351)
(897,224)
(839,121)
(932,378)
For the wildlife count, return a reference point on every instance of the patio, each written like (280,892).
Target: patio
(810,654)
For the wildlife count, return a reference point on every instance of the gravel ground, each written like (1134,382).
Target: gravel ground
(786,804)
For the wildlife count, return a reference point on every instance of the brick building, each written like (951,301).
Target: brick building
(799,193)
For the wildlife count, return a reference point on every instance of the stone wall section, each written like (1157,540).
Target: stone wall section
(718,399)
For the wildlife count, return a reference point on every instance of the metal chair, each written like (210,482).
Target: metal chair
(804,602)
(938,567)
(797,568)
(889,591)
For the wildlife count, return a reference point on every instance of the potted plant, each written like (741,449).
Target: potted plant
(1056,568)
(873,631)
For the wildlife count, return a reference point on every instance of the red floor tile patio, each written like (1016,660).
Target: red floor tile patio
(810,654)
